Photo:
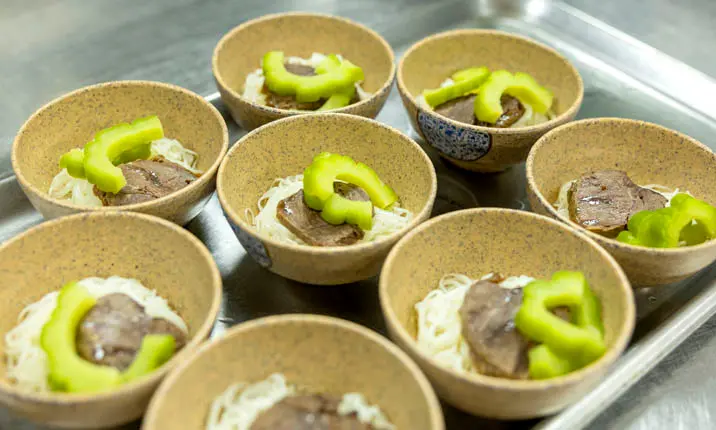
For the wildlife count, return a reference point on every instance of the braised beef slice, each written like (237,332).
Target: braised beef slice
(462,109)
(603,201)
(487,314)
(111,332)
(307,412)
(147,180)
(308,225)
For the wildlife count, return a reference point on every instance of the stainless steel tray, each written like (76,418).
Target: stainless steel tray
(623,78)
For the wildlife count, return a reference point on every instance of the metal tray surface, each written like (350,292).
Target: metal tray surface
(623,78)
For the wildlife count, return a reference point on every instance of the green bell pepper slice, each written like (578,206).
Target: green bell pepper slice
(470,80)
(156,349)
(581,341)
(687,219)
(67,370)
(319,194)
(545,363)
(522,86)
(308,88)
(73,161)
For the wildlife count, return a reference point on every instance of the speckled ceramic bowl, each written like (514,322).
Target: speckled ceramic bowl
(649,154)
(430,61)
(285,148)
(72,120)
(319,354)
(240,51)
(161,255)
(475,242)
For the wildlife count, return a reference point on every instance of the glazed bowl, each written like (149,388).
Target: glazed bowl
(285,148)
(240,51)
(475,242)
(72,120)
(161,255)
(317,353)
(484,149)
(649,154)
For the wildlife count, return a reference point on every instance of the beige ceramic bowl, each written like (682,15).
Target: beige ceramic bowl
(72,120)
(285,148)
(430,61)
(320,354)
(650,154)
(161,255)
(240,51)
(475,242)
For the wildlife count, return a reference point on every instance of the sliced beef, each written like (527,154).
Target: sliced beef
(308,225)
(111,332)
(147,180)
(300,69)
(512,111)
(603,201)
(462,109)
(307,412)
(487,314)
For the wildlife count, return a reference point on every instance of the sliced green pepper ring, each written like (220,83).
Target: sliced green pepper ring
(319,193)
(308,88)
(580,342)
(69,372)
(488,105)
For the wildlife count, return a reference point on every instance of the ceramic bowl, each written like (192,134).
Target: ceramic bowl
(485,149)
(72,120)
(240,51)
(320,354)
(475,242)
(649,154)
(161,255)
(285,148)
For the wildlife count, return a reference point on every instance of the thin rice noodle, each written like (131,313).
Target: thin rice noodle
(27,362)
(239,405)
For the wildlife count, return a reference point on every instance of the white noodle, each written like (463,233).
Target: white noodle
(254,83)
(530,117)
(385,222)
(27,362)
(562,202)
(439,324)
(80,192)
(239,405)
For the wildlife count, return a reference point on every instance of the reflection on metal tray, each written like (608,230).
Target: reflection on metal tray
(617,83)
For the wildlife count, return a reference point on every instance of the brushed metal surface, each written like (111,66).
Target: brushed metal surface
(51,47)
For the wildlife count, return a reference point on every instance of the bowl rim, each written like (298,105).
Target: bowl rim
(298,14)
(153,378)
(434,408)
(616,349)
(570,112)
(235,218)
(602,240)
(202,180)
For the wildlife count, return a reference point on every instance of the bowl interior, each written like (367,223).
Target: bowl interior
(161,256)
(434,59)
(648,153)
(286,147)
(476,242)
(241,51)
(71,121)
(317,354)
